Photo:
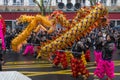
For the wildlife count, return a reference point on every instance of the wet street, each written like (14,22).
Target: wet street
(43,70)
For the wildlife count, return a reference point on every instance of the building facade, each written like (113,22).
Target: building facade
(54,2)
(29,5)
(12,9)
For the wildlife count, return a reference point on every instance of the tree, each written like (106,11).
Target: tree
(93,2)
(39,5)
(6,4)
(42,6)
(50,5)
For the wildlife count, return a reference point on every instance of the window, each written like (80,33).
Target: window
(83,2)
(31,3)
(8,25)
(118,22)
(103,1)
(78,1)
(112,23)
(58,1)
(46,2)
(5,2)
(68,1)
(113,2)
(18,2)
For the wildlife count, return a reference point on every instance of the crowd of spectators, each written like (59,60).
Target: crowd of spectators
(43,36)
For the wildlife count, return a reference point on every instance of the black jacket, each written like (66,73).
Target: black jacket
(108,50)
(77,50)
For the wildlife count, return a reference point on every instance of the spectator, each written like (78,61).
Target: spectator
(1,56)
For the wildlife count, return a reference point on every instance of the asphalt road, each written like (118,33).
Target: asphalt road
(42,70)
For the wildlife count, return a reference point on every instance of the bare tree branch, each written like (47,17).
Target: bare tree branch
(35,1)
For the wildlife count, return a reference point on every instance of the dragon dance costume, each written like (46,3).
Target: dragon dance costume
(60,57)
(98,50)
(77,64)
(29,47)
(106,65)
(2,32)
(87,51)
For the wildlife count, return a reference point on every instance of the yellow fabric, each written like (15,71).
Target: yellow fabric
(68,55)
(83,58)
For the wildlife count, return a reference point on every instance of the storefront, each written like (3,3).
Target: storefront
(10,17)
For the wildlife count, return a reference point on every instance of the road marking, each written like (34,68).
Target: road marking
(26,62)
(63,72)
(27,66)
(40,66)
(44,62)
